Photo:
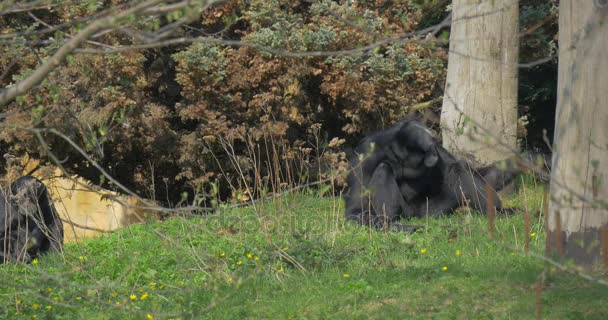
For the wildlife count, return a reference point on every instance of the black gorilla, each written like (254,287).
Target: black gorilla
(29,223)
(404,172)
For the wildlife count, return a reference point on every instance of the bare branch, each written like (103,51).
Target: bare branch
(10,93)
(69,35)
(23,7)
(281,52)
(108,22)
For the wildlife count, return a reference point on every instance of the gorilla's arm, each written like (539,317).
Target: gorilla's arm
(52,223)
(379,202)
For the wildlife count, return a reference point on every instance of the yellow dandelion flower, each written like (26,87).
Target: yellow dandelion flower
(285,248)
(78,298)
(458,252)
(423,251)
(229,280)
(346,276)
(49,290)
(35,261)
(281,270)
(513,253)
(256,258)
(222,255)
(36,306)
(56,298)
(18,301)
(533,234)
(149,316)
(444,268)
(81,258)
(153,285)
(238,263)
(249,256)
(133,297)
(144,296)
(49,307)
(34,316)
(117,303)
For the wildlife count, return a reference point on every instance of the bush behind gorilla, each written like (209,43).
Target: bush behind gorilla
(403,172)
(29,223)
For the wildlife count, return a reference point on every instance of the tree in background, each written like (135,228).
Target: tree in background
(480,99)
(578,210)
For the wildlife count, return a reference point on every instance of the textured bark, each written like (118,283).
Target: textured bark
(482,80)
(578,208)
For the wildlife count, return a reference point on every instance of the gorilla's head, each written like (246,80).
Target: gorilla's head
(413,151)
(27,193)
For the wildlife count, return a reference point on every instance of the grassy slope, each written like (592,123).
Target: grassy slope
(305,263)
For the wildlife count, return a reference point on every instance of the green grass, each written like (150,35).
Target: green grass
(296,258)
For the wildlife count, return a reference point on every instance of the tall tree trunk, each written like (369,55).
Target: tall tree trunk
(482,80)
(578,208)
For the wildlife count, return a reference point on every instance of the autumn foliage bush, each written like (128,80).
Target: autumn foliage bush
(212,118)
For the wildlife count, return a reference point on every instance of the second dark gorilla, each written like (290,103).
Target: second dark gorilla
(29,223)
(403,172)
